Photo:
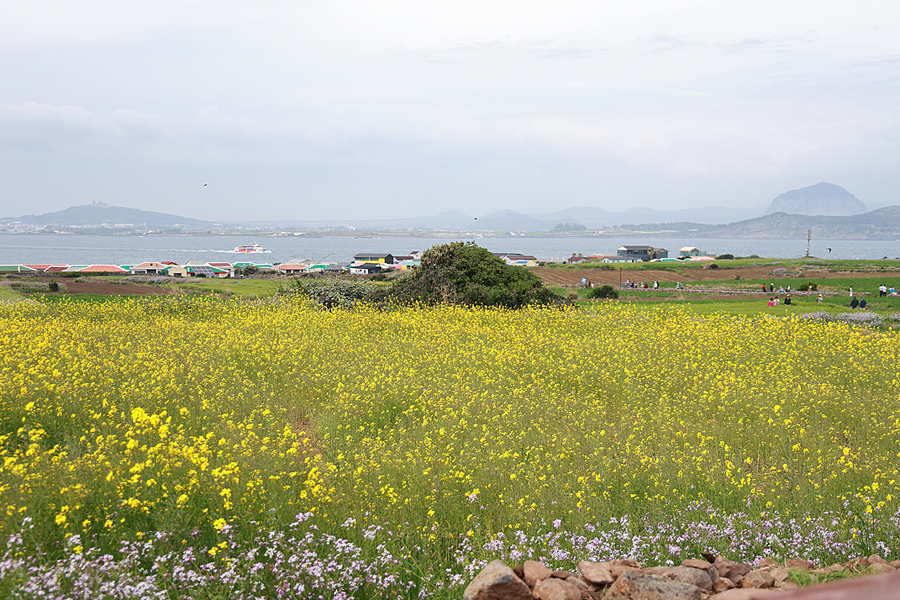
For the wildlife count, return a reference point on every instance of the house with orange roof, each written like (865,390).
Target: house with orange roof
(148,268)
(291,268)
(112,269)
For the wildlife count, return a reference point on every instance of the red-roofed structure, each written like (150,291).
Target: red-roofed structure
(56,268)
(102,269)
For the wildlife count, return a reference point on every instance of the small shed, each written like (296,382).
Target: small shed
(174,271)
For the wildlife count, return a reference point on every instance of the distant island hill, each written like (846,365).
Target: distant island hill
(827,210)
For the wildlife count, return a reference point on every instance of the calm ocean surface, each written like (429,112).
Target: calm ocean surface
(127,250)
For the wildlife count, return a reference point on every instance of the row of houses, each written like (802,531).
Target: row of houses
(363,264)
(630,254)
(366,263)
(165,268)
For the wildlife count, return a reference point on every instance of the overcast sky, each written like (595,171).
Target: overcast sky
(313,108)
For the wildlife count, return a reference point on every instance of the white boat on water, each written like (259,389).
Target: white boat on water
(253,248)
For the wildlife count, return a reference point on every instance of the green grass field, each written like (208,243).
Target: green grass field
(251,287)
(238,287)
(8,295)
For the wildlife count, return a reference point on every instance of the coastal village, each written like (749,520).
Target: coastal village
(364,263)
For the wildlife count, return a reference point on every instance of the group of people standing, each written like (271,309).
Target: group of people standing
(858,302)
(646,286)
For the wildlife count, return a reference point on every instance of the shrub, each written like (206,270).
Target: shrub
(714,266)
(809,285)
(604,291)
(463,273)
(53,286)
(725,257)
(331,291)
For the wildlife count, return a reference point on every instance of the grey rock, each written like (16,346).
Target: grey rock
(497,582)
(634,585)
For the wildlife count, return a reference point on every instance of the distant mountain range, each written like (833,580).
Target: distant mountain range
(880,224)
(513,220)
(830,211)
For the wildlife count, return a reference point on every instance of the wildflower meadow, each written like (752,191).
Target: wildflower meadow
(207,448)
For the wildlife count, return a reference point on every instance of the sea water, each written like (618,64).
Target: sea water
(130,249)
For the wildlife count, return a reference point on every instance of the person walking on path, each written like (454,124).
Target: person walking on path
(862,304)
(854,303)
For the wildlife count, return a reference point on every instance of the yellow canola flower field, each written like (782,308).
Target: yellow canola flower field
(189,416)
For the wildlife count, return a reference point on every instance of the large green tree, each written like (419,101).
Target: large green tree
(463,273)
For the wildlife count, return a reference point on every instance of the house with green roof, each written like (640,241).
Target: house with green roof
(16,269)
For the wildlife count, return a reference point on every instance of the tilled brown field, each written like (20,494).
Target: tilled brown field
(565,277)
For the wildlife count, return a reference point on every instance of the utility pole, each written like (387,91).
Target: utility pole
(808,237)
(620,278)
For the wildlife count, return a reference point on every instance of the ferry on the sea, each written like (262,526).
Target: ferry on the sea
(253,248)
